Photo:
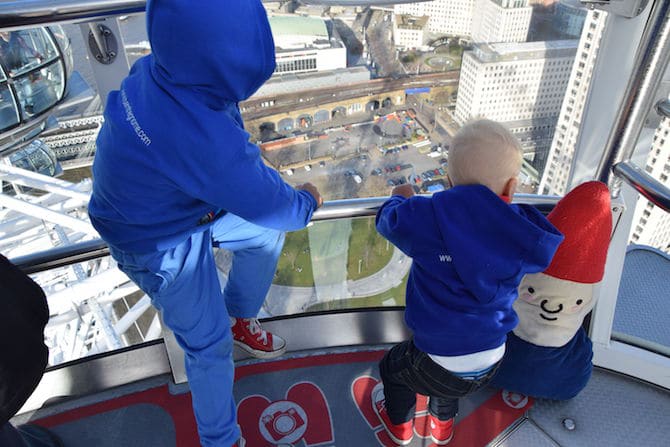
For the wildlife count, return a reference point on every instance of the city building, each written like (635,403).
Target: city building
(554,177)
(409,32)
(306,44)
(535,136)
(501,21)
(451,17)
(569,18)
(651,225)
(293,82)
(514,81)
(519,84)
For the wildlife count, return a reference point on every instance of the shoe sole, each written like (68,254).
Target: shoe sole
(441,442)
(258,353)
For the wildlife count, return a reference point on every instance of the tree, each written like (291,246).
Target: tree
(408,58)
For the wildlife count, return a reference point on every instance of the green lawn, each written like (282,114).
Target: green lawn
(366,248)
(295,265)
(397,294)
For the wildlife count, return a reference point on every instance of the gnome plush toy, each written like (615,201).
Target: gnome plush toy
(549,353)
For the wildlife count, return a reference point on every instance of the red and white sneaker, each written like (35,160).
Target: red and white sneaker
(240,443)
(401,434)
(441,432)
(248,335)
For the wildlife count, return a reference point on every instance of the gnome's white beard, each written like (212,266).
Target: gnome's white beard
(551,315)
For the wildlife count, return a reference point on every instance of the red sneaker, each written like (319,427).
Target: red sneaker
(441,432)
(248,335)
(401,434)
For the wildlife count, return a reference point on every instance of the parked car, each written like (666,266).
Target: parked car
(396,181)
(376,171)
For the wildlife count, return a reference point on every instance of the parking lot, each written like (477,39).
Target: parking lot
(363,160)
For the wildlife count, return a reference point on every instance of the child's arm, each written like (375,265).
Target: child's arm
(233,177)
(398,219)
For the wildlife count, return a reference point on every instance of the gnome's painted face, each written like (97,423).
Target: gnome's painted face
(551,310)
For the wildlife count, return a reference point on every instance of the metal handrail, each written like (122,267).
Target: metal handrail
(331,210)
(646,185)
(650,63)
(22,13)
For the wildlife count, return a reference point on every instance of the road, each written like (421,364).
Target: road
(286,300)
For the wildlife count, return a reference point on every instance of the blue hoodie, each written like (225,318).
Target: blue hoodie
(173,152)
(470,250)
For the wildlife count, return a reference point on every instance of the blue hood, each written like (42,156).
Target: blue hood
(173,151)
(219,50)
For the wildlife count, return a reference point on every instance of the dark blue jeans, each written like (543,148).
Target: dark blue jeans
(27,436)
(406,371)
(10,436)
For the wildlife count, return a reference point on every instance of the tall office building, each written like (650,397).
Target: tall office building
(554,178)
(651,225)
(521,85)
(514,81)
(452,17)
(501,21)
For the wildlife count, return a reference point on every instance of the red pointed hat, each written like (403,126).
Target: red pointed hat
(584,217)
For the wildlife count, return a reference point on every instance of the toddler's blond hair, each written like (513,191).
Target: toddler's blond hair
(484,152)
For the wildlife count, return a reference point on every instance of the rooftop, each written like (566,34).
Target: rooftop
(503,52)
(404,21)
(292,25)
(295,32)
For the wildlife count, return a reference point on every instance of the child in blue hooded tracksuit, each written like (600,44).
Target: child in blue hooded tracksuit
(470,249)
(174,174)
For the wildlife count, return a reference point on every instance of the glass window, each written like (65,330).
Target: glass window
(65,46)
(24,50)
(347,98)
(91,320)
(37,157)
(8,114)
(336,265)
(40,89)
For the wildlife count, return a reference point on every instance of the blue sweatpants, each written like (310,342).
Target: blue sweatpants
(183,285)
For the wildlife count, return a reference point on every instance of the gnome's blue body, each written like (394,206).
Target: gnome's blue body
(547,372)
(548,354)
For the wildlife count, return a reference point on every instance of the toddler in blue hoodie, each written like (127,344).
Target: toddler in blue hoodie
(470,249)
(175,173)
